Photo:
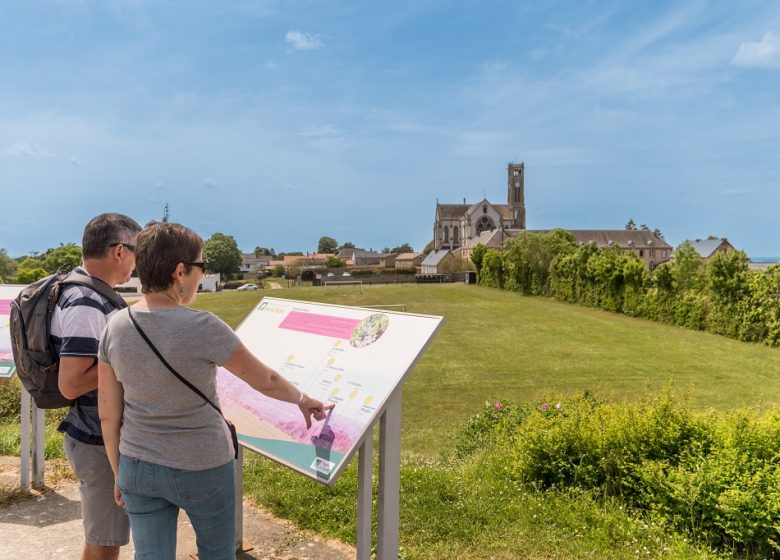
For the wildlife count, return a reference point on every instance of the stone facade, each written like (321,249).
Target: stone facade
(456,224)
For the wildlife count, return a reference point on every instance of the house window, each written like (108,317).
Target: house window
(641,252)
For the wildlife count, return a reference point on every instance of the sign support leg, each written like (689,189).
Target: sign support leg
(38,445)
(388,515)
(241,544)
(365,496)
(24,454)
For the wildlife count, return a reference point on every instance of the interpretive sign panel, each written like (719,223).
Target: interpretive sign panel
(7,294)
(353,357)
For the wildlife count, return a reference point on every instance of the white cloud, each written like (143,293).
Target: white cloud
(210,184)
(327,130)
(23,148)
(762,54)
(76,161)
(738,191)
(303,41)
(160,186)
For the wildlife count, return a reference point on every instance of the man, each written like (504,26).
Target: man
(78,320)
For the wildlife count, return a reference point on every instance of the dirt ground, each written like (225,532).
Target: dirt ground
(47,525)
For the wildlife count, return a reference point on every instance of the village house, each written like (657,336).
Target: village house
(409,260)
(707,248)
(436,261)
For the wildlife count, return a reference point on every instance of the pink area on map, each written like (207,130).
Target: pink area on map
(5,306)
(325,325)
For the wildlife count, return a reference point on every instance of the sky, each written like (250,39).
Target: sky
(282,121)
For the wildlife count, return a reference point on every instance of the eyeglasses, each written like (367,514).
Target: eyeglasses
(203,265)
(126,245)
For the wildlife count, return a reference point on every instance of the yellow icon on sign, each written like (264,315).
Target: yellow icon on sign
(368,400)
(334,392)
(331,360)
(338,377)
(290,358)
(353,394)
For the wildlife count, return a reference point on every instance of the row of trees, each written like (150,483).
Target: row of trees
(28,269)
(720,295)
(220,250)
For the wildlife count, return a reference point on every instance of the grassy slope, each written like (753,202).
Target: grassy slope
(498,345)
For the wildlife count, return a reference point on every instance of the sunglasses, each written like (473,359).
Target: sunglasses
(203,265)
(125,245)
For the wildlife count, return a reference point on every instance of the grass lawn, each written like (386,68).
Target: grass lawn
(498,345)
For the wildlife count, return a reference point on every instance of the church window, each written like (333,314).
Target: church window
(485,224)
(446,235)
(516,173)
(455,235)
(484,209)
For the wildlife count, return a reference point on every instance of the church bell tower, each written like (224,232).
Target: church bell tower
(516,193)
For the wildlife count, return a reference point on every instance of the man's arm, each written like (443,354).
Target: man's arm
(78,375)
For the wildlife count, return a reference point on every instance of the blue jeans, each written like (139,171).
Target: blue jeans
(153,495)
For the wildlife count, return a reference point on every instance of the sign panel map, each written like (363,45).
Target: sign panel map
(353,357)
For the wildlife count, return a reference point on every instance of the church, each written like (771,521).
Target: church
(456,224)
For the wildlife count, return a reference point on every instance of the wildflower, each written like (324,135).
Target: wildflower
(558,405)
(498,406)
(545,406)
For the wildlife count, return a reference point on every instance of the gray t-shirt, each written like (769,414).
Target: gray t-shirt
(164,421)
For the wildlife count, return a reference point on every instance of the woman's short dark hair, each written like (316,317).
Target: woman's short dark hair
(160,247)
(105,230)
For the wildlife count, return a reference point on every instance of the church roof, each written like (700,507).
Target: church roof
(457,211)
(451,211)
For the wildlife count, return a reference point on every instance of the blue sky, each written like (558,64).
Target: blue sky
(279,122)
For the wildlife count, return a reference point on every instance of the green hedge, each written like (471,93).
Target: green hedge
(720,295)
(714,476)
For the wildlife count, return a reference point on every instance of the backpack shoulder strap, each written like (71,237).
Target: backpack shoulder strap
(97,285)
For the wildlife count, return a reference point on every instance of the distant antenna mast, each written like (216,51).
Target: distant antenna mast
(166,214)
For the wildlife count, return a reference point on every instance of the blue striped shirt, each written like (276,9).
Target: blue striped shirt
(77,322)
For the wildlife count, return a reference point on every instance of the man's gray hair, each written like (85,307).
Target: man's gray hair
(106,230)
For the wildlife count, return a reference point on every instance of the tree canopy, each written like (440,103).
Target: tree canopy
(7,267)
(327,245)
(223,253)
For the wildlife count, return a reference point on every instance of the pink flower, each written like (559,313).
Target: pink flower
(558,405)
(545,406)
(498,406)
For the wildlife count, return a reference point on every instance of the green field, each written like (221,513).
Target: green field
(497,345)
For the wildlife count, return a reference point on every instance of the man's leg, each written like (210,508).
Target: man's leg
(94,552)
(106,526)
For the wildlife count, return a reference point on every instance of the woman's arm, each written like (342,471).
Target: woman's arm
(111,405)
(244,365)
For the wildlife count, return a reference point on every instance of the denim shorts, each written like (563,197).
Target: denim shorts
(154,494)
(105,524)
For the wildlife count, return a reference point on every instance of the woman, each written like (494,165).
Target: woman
(175,450)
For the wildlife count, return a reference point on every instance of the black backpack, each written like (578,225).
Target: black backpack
(37,364)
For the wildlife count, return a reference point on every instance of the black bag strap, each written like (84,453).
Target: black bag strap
(192,387)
